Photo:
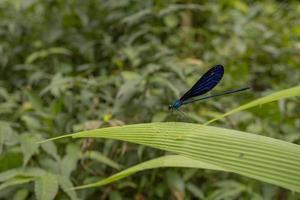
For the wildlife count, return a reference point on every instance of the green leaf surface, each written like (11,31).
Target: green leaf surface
(263,158)
(165,161)
(50,148)
(46,187)
(65,185)
(7,135)
(29,146)
(69,161)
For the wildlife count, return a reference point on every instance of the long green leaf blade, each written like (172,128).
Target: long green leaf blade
(291,92)
(263,158)
(165,161)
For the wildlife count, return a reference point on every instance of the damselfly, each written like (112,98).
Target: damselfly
(206,83)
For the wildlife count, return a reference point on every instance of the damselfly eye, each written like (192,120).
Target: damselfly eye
(170,107)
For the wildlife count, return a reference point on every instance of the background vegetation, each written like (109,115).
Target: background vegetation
(67,66)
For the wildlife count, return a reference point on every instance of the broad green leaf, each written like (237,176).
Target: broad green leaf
(50,148)
(259,157)
(291,92)
(8,136)
(165,161)
(29,146)
(46,187)
(69,161)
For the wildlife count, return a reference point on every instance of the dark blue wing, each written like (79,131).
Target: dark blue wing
(207,82)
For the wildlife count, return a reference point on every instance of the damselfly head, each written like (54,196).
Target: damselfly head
(175,105)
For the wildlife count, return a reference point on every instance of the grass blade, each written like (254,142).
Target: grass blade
(165,161)
(263,158)
(291,92)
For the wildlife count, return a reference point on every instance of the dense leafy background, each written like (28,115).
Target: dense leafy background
(67,66)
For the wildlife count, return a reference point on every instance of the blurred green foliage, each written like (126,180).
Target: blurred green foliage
(70,65)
